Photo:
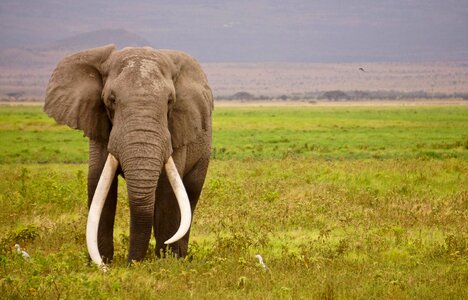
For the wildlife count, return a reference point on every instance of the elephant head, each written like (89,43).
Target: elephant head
(142,104)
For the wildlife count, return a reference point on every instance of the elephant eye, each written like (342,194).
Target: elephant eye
(170,99)
(111,99)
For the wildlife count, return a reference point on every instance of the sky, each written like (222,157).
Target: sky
(256,30)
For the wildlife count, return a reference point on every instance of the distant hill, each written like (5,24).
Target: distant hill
(255,31)
(48,55)
(25,71)
(120,37)
(15,58)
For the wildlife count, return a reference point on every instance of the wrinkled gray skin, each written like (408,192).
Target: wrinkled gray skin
(142,105)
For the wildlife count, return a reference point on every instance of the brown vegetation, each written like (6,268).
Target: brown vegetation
(28,72)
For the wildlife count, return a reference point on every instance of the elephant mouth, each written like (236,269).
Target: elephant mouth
(100,196)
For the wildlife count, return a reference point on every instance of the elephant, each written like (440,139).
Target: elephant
(147,114)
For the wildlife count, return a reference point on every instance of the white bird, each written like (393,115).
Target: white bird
(22,252)
(260,260)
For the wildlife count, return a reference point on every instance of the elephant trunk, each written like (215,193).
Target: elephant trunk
(142,145)
(141,163)
(141,156)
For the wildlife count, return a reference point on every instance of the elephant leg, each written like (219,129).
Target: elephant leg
(97,158)
(167,215)
(193,182)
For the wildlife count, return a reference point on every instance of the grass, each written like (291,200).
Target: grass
(341,133)
(29,136)
(330,222)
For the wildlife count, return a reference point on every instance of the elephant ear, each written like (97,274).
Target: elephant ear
(190,118)
(73,96)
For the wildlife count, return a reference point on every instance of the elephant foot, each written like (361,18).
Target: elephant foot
(177,249)
(107,253)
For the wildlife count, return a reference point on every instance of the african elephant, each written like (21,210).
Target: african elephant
(143,110)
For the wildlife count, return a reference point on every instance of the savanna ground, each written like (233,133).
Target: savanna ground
(29,75)
(341,202)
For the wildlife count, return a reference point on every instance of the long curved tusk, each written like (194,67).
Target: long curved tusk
(102,189)
(182,200)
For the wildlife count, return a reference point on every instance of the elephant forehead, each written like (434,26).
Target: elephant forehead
(143,72)
(148,67)
(144,67)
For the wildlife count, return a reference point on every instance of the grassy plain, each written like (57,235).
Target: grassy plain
(341,202)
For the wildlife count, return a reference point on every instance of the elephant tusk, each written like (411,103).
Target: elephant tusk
(182,200)
(102,189)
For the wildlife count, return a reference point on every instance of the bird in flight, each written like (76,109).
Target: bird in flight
(362,69)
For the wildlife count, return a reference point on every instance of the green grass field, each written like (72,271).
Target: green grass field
(341,202)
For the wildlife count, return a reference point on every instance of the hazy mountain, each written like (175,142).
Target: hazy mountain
(299,34)
(120,37)
(47,55)
(255,30)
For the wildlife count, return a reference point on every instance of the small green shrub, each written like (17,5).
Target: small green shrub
(21,235)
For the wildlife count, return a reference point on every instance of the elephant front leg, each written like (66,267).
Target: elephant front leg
(97,158)
(167,214)
(166,218)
